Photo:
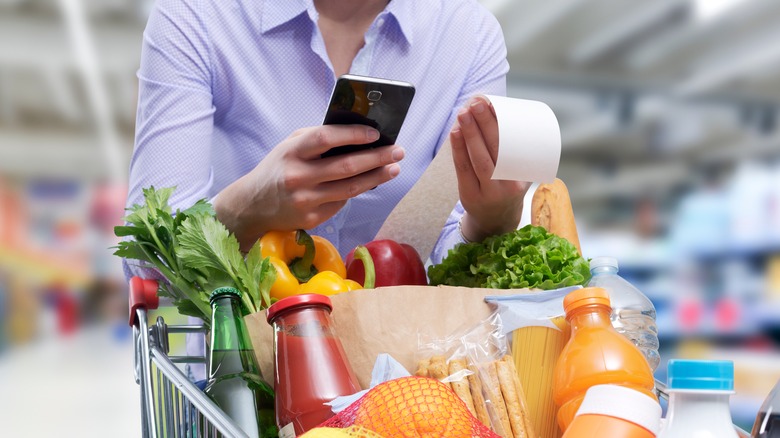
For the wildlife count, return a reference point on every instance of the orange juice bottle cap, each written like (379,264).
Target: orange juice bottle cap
(585,296)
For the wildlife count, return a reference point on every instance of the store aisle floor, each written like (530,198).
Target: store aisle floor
(76,386)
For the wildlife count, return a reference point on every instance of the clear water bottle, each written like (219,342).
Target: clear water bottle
(633,314)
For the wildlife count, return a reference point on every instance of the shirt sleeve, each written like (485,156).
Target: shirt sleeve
(174,118)
(175,115)
(487,76)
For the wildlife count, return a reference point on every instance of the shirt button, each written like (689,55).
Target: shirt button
(329,229)
(381,22)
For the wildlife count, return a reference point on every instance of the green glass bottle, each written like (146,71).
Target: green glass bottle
(235,383)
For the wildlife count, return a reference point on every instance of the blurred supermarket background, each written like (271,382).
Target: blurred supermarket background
(671,150)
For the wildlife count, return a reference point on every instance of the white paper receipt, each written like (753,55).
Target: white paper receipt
(529,140)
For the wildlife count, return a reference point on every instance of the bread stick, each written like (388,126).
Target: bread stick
(551,209)
(492,389)
(461,387)
(475,385)
(422,368)
(514,398)
(438,369)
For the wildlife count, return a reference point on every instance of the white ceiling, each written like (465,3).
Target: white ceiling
(648,93)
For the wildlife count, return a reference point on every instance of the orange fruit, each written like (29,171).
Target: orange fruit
(416,407)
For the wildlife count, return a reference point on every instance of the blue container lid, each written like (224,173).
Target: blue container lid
(711,375)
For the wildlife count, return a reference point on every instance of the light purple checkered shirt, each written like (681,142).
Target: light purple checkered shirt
(223,82)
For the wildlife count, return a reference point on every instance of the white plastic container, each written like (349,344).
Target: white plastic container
(633,314)
(699,393)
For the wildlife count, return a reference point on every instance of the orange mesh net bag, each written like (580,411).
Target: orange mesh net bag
(332,432)
(412,407)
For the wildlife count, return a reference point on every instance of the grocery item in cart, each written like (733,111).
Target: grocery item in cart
(412,407)
(396,264)
(551,209)
(768,419)
(615,411)
(699,393)
(311,368)
(633,314)
(595,354)
(308,264)
(235,383)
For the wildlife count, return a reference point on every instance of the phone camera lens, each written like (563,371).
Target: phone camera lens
(374,95)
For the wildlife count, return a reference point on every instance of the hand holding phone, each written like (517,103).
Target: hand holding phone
(379,103)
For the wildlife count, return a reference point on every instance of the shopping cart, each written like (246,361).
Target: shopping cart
(171,405)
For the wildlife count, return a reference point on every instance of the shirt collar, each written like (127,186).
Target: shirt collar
(402,11)
(276,13)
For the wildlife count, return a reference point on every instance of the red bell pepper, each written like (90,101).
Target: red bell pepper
(396,264)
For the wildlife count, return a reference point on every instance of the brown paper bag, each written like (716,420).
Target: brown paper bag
(388,320)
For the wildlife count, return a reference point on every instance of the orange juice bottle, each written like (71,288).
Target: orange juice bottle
(596,354)
(615,411)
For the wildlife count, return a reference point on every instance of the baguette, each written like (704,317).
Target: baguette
(461,387)
(551,209)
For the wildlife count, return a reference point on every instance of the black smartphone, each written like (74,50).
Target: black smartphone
(379,103)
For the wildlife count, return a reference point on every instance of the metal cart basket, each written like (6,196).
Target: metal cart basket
(171,405)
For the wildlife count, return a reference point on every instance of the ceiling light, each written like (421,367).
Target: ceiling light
(708,9)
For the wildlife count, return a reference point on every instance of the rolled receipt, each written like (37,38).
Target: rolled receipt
(529,150)
(529,140)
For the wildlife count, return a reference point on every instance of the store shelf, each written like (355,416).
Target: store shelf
(45,269)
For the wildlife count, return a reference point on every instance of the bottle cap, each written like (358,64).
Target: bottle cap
(297,301)
(624,403)
(709,375)
(599,262)
(222,291)
(585,296)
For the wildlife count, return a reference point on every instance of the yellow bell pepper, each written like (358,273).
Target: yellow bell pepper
(302,252)
(308,264)
(328,283)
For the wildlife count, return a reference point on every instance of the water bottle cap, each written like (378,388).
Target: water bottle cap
(222,291)
(599,262)
(295,301)
(624,403)
(711,375)
(585,296)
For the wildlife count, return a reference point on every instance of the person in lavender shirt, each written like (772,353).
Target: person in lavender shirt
(232,94)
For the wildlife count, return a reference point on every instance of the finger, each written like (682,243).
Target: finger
(343,189)
(468,183)
(314,142)
(475,145)
(485,116)
(355,163)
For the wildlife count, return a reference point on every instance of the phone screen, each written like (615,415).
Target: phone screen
(378,103)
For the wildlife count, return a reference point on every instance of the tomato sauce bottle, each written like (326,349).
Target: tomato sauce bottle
(311,368)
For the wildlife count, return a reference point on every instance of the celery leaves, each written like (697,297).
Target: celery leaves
(194,252)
